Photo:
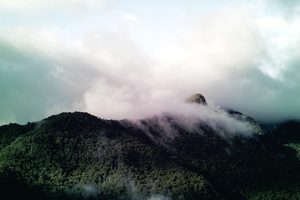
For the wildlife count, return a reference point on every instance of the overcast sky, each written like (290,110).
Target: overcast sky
(130,59)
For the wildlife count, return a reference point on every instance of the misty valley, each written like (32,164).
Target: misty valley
(206,153)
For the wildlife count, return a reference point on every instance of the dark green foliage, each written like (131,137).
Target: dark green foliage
(78,156)
(11,131)
(14,187)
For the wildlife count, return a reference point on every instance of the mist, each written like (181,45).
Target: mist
(243,56)
(195,119)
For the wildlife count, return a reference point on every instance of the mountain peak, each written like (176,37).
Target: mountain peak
(196,98)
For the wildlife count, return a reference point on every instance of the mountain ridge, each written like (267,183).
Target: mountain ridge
(80,156)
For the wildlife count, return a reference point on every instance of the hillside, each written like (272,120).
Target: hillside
(79,156)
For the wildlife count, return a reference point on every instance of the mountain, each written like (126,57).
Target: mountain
(79,156)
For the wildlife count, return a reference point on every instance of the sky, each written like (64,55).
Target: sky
(131,59)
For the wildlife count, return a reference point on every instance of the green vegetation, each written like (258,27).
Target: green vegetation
(78,156)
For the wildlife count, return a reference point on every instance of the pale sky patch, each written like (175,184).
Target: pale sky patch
(131,17)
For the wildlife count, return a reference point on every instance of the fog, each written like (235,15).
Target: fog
(195,119)
(243,56)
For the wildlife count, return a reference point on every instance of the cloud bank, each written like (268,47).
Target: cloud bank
(239,57)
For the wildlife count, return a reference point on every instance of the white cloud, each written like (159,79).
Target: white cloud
(239,58)
(282,38)
(40,5)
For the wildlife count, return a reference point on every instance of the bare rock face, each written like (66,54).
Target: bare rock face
(196,98)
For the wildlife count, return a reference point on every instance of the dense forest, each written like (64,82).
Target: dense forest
(79,156)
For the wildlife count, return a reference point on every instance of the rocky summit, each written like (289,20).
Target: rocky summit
(196,98)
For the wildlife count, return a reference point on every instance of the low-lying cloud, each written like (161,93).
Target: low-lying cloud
(237,58)
(195,119)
